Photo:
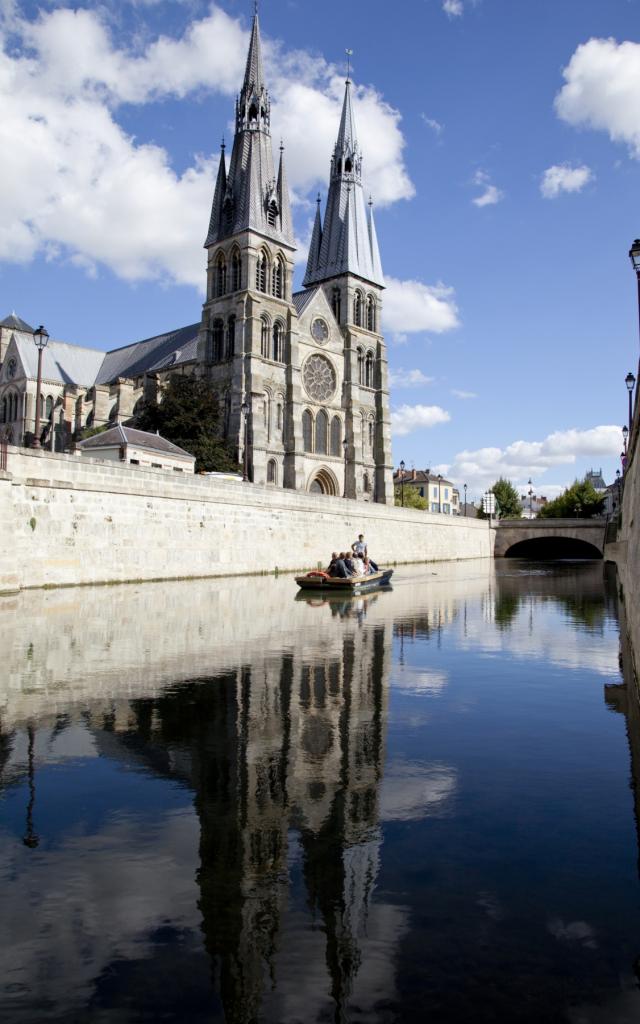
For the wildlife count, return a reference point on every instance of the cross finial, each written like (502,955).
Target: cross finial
(255,8)
(222,144)
(318,200)
(281,145)
(349,54)
(370,200)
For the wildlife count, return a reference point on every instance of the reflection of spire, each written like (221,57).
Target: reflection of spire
(30,838)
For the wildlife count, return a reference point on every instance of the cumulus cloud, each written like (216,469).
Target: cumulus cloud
(602,90)
(411,307)
(564,178)
(408,378)
(79,186)
(454,8)
(408,418)
(523,459)
(490,194)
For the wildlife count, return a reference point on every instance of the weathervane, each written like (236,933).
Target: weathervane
(349,54)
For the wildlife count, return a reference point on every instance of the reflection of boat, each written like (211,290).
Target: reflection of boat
(317,580)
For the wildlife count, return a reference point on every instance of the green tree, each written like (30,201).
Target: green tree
(507,501)
(412,497)
(580,501)
(189,415)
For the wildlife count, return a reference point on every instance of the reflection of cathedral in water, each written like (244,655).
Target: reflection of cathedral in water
(287,754)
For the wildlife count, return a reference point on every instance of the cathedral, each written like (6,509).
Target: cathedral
(301,376)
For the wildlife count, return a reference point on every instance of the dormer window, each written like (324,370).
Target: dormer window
(348,166)
(272,213)
(253,113)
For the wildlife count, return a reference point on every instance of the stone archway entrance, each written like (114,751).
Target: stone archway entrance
(323,482)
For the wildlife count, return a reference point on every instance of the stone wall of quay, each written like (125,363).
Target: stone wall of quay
(68,521)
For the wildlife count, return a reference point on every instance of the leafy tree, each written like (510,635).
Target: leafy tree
(507,501)
(412,497)
(580,501)
(188,415)
(92,431)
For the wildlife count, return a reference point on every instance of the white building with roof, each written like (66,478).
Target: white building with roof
(301,378)
(137,448)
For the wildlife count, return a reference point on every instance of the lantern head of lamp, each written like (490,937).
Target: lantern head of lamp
(630,381)
(625,433)
(634,255)
(41,337)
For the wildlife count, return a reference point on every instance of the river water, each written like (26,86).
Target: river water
(222,803)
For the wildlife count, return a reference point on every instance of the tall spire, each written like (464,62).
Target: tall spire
(348,244)
(218,196)
(252,197)
(316,241)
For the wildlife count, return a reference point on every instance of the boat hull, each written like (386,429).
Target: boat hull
(352,585)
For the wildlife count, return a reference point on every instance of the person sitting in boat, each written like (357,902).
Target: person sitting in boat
(359,547)
(348,561)
(337,566)
(368,566)
(358,565)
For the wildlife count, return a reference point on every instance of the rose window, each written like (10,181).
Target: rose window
(319,378)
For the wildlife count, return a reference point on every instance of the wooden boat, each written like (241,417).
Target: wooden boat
(318,580)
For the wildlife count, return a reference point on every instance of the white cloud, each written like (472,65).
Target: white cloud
(564,178)
(411,307)
(408,378)
(523,459)
(433,124)
(602,90)
(490,194)
(454,8)
(78,186)
(463,394)
(408,418)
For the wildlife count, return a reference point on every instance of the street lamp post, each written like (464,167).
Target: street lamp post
(439,492)
(244,409)
(634,256)
(402,464)
(625,437)
(530,498)
(630,381)
(618,486)
(345,448)
(40,338)
(465,501)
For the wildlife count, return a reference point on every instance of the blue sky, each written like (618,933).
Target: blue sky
(501,143)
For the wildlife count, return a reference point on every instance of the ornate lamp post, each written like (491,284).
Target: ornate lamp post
(625,437)
(439,492)
(40,338)
(345,448)
(530,498)
(618,486)
(402,482)
(634,256)
(630,381)
(244,409)
(465,501)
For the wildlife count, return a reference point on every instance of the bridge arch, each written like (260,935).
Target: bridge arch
(541,548)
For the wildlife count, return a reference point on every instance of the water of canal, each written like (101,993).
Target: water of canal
(222,803)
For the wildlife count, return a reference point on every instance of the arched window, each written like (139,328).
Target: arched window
(262,269)
(266,412)
(366,484)
(322,424)
(360,366)
(3,413)
(48,409)
(371,434)
(336,435)
(272,471)
(264,337)
(217,341)
(368,370)
(277,278)
(371,313)
(231,336)
(221,274)
(307,431)
(279,421)
(236,272)
(336,303)
(357,309)
(278,342)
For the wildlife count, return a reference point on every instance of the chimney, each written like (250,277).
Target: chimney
(413,474)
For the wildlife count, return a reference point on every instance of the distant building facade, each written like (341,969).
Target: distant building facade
(440,493)
(301,377)
(138,448)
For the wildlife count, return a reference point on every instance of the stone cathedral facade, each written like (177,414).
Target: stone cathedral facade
(301,376)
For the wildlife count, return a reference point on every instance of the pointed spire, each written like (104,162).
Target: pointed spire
(316,242)
(347,140)
(215,222)
(284,205)
(376,262)
(254,71)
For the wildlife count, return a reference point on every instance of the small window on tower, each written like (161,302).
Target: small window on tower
(272,214)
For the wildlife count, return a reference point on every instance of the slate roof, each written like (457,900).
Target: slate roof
(69,364)
(302,299)
(16,323)
(159,352)
(140,438)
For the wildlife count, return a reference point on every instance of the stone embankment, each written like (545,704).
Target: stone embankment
(67,521)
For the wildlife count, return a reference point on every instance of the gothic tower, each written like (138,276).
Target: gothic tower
(245,337)
(344,259)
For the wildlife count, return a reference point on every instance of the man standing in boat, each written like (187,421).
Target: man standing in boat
(360,550)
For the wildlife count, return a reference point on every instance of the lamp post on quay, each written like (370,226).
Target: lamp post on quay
(402,464)
(465,501)
(625,437)
(630,381)
(40,338)
(439,492)
(618,485)
(345,448)
(244,409)
(530,498)
(634,256)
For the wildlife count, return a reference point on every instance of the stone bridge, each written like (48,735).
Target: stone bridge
(550,538)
